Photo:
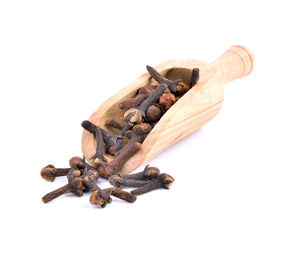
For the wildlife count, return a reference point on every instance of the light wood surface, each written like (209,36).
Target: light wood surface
(199,105)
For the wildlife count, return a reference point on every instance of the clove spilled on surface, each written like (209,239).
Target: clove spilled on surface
(85,180)
(163,181)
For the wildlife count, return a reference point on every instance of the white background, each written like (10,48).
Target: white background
(237,179)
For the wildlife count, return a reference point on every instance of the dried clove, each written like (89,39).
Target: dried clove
(85,180)
(76,162)
(181,88)
(121,194)
(49,172)
(154,113)
(56,193)
(159,78)
(114,124)
(149,173)
(76,187)
(137,135)
(114,167)
(152,99)
(73,174)
(142,94)
(133,102)
(195,76)
(79,181)
(89,179)
(176,86)
(113,143)
(99,154)
(99,196)
(167,99)
(139,132)
(163,181)
(119,182)
(135,115)
(102,197)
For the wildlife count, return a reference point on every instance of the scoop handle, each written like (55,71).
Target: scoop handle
(235,63)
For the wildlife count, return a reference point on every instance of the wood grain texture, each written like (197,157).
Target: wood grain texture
(198,106)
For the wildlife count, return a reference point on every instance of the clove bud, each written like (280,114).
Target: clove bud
(135,115)
(167,99)
(154,113)
(115,166)
(113,143)
(149,173)
(119,182)
(50,172)
(143,93)
(163,181)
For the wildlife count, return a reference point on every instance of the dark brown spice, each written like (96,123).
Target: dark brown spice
(135,115)
(195,76)
(79,181)
(139,132)
(102,197)
(121,194)
(113,143)
(114,124)
(166,100)
(149,173)
(181,88)
(50,172)
(133,102)
(115,166)
(162,80)
(56,193)
(74,173)
(154,113)
(76,187)
(142,94)
(117,181)
(175,86)
(85,180)
(163,181)
(76,162)
(137,135)
(99,154)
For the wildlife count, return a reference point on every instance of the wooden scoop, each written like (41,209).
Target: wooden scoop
(199,105)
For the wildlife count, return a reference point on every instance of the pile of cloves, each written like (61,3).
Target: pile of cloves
(141,114)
